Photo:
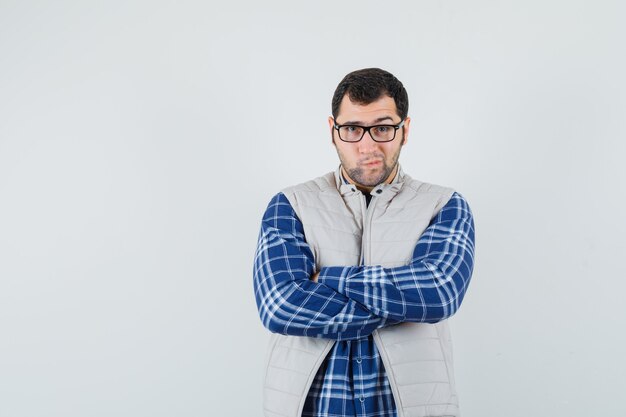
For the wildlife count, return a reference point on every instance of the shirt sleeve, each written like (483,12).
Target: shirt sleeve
(432,286)
(287,300)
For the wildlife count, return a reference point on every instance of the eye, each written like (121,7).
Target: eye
(383,129)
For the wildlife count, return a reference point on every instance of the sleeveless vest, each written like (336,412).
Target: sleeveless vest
(341,230)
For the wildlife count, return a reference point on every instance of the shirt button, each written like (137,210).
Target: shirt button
(379,191)
(361,399)
(358,360)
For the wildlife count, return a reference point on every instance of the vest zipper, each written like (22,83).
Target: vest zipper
(364,210)
(366,255)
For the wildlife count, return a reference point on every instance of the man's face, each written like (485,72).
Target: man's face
(368,163)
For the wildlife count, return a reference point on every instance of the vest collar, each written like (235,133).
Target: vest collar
(346,189)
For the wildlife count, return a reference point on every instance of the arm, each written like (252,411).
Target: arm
(431,287)
(289,302)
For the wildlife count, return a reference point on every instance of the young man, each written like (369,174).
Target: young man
(357,271)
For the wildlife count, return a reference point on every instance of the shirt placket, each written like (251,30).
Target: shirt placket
(358,378)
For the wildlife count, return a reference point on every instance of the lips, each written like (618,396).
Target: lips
(372,162)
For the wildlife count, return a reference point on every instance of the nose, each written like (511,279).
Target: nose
(367,144)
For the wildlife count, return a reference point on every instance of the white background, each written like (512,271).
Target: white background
(141,141)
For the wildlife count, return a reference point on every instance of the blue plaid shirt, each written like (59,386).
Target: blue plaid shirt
(349,302)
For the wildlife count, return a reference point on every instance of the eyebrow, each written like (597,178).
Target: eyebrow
(357,122)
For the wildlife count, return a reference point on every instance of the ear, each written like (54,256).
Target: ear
(331,125)
(407,127)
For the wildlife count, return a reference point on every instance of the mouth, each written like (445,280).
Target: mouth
(372,163)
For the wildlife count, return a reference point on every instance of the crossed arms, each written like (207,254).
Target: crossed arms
(350,302)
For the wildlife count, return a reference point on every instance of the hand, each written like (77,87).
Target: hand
(314,276)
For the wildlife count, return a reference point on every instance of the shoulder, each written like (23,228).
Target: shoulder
(456,207)
(422,187)
(322,183)
(285,204)
(449,201)
(440,193)
(312,193)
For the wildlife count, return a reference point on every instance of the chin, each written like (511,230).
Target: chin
(374,183)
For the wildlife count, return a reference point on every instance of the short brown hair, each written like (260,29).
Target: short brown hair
(367,85)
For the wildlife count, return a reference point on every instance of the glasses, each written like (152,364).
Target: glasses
(380,133)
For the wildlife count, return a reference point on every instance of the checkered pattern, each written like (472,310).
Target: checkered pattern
(348,303)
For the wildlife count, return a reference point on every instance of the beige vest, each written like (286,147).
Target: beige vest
(341,230)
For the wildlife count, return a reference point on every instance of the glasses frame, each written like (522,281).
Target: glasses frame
(366,129)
